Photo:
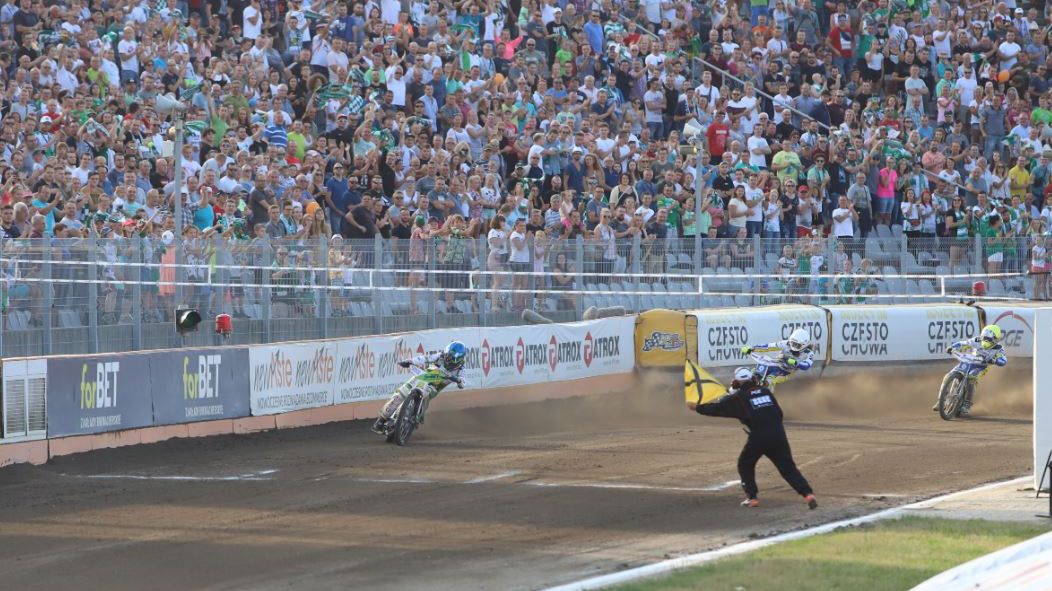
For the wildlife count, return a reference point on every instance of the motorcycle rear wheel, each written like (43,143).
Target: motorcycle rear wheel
(406,421)
(952,395)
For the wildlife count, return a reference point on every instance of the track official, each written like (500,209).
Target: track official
(756,407)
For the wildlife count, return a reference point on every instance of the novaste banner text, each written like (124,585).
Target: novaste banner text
(291,376)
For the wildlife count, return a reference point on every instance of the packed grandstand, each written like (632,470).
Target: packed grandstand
(773,137)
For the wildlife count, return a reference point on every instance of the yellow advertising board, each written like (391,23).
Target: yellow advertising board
(665,338)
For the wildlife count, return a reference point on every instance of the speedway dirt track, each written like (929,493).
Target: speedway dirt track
(515,497)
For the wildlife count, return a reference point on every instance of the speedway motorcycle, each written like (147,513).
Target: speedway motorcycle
(959,384)
(418,391)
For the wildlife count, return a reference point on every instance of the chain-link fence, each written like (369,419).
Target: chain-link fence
(98,295)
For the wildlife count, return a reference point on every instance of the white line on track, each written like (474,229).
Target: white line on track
(500,476)
(399,480)
(547,484)
(667,566)
(254,476)
(630,486)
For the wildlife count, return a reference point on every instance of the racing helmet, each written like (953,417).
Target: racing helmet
(799,340)
(990,336)
(454,356)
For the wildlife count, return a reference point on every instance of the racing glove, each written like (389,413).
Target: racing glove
(746,350)
(405,364)
(791,362)
(460,383)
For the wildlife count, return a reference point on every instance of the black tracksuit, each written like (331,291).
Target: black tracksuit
(756,407)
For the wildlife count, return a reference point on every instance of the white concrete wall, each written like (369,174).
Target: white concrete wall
(1042,393)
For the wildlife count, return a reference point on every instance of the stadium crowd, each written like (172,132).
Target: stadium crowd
(527,124)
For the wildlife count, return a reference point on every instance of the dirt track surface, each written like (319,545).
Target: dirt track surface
(517,497)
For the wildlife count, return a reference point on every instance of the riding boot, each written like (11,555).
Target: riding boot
(378,426)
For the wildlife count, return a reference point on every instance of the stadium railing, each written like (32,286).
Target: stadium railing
(79,296)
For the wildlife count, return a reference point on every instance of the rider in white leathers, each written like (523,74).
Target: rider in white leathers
(450,362)
(794,353)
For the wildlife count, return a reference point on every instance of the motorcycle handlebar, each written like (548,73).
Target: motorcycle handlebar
(766,359)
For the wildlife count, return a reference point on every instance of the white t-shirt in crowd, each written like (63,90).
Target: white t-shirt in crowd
(519,255)
(758,160)
(249,30)
(1010,50)
(500,238)
(125,46)
(846,227)
(756,212)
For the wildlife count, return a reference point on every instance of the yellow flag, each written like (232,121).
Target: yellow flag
(699,386)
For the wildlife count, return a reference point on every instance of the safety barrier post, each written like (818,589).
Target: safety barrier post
(378,261)
(479,291)
(754,283)
(636,251)
(137,274)
(978,264)
(903,250)
(579,269)
(47,305)
(698,265)
(268,321)
(432,311)
(180,259)
(93,296)
(324,302)
(531,298)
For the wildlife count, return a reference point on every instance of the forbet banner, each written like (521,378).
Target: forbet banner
(291,376)
(199,385)
(899,333)
(94,394)
(1017,327)
(723,333)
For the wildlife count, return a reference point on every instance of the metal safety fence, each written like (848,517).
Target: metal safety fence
(102,295)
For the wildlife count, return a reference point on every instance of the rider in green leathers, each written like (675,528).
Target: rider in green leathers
(449,363)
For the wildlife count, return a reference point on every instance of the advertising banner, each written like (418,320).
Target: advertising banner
(661,338)
(723,333)
(1017,324)
(291,376)
(367,369)
(94,394)
(199,385)
(899,333)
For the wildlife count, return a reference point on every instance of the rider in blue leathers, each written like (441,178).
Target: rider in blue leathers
(986,347)
(450,361)
(794,354)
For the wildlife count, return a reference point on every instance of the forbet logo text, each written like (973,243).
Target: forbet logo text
(100,392)
(201,380)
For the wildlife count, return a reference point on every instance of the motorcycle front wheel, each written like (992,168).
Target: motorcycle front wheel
(951,395)
(406,421)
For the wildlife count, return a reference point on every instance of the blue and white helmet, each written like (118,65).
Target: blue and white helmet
(454,356)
